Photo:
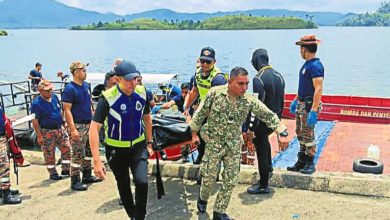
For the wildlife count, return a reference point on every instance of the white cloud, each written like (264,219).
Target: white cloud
(128,6)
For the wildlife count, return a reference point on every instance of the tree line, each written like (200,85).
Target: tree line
(3,33)
(379,18)
(231,22)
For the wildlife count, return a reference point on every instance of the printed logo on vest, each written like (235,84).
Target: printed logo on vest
(303,71)
(138,106)
(123,107)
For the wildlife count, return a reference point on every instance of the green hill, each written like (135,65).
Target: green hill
(380,18)
(231,22)
(3,33)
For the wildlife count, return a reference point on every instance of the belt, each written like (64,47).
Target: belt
(302,99)
(51,128)
(83,122)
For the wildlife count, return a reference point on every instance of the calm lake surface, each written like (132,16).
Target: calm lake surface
(356,60)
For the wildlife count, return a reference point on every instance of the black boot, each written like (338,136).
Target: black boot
(202,205)
(13,192)
(8,198)
(65,173)
(221,216)
(55,176)
(88,178)
(309,168)
(257,189)
(300,163)
(76,184)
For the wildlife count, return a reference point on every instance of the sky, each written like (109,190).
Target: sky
(130,6)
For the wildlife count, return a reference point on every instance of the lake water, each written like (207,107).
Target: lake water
(356,59)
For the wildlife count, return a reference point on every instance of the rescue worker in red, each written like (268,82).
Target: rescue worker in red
(9,196)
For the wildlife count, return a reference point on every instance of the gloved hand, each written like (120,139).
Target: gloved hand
(156,109)
(293,106)
(312,119)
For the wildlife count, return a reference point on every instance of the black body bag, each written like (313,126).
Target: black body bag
(169,129)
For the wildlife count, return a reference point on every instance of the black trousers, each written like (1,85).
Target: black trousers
(263,153)
(135,157)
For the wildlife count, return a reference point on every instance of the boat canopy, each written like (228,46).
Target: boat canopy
(147,78)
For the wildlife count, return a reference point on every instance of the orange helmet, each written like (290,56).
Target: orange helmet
(308,40)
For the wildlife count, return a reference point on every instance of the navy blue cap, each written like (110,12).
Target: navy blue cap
(207,53)
(127,70)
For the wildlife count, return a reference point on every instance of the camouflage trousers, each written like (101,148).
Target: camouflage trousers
(81,153)
(214,155)
(4,165)
(51,139)
(305,134)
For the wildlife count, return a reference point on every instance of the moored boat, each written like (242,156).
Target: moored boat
(373,110)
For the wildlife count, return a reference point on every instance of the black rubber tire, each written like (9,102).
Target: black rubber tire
(33,139)
(367,165)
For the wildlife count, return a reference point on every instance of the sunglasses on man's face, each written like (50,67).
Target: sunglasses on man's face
(82,69)
(206,61)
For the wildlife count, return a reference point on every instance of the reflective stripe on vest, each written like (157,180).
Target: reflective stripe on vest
(116,139)
(204,85)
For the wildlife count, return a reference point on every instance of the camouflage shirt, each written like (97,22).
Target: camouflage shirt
(225,117)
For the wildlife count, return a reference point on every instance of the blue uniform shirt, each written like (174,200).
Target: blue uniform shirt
(2,122)
(218,80)
(311,69)
(35,73)
(179,101)
(149,95)
(47,113)
(80,98)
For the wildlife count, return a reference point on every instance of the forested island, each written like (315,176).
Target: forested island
(3,33)
(231,22)
(379,18)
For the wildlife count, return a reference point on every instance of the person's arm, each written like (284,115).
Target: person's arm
(101,113)
(318,86)
(190,98)
(202,112)
(69,120)
(168,104)
(267,116)
(200,115)
(98,166)
(147,118)
(37,130)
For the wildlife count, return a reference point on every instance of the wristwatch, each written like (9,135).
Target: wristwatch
(150,142)
(284,133)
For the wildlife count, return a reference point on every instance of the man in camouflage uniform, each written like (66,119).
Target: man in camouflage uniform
(307,104)
(77,102)
(48,127)
(226,108)
(9,196)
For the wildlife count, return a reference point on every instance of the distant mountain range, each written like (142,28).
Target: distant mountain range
(53,14)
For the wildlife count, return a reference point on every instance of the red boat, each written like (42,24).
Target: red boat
(373,110)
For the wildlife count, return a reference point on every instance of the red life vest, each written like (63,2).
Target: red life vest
(13,145)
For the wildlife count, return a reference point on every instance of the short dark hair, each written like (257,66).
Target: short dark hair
(312,48)
(38,64)
(238,71)
(185,85)
(108,76)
